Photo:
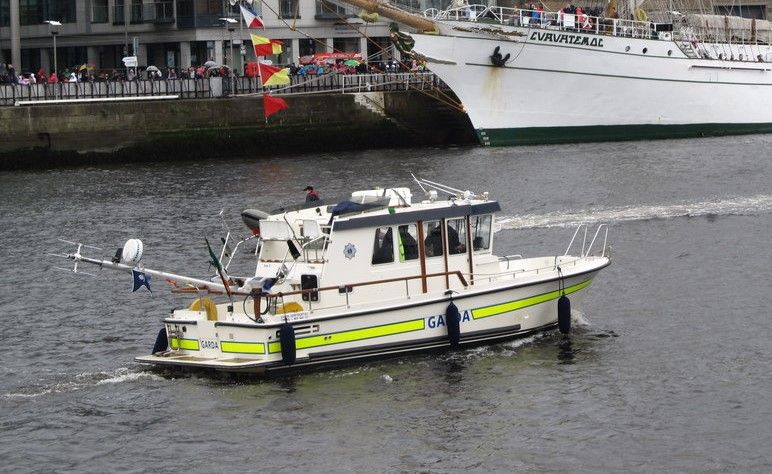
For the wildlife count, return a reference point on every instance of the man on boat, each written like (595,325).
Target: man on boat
(311,195)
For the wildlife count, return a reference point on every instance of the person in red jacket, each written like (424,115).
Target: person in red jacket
(311,195)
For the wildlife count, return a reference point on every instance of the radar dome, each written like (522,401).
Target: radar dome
(132,251)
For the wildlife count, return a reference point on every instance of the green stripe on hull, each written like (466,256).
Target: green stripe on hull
(607,133)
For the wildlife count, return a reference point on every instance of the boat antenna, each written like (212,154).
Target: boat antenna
(420,185)
(456,193)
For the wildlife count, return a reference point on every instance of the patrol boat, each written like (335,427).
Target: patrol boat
(375,274)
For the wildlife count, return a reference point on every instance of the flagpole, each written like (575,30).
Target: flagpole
(241,39)
(260,82)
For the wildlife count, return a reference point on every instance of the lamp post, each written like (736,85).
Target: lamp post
(53,26)
(230,23)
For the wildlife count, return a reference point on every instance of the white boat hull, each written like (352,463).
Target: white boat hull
(563,86)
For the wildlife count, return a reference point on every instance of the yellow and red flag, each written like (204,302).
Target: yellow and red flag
(273,76)
(265,46)
(271,105)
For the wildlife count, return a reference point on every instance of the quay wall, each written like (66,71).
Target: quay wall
(102,132)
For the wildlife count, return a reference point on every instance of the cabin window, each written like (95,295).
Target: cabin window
(481,232)
(408,242)
(433,239)
(456,236)
(383,247)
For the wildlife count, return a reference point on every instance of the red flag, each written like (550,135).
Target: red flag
(271,105)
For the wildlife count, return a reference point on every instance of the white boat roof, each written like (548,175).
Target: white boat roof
(423,211)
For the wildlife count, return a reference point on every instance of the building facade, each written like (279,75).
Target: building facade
(178,33)
(181,33)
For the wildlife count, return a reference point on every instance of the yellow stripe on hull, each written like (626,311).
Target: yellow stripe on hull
(243,347)
(525,302)
(353,335)
(186,344)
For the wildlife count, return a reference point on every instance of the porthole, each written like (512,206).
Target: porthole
(645,50)
(627,49)
(669,52)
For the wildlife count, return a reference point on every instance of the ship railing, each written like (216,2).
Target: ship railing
(347,289)
(586,249)
(543,19)
(519,273)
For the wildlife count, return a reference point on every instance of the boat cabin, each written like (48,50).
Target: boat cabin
(375,245)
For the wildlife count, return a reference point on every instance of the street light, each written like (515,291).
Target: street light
(53,26)
(231,24)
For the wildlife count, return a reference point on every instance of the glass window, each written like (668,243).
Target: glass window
(325,9)
(383,246)
(456,236)
(433,238)
(288,9)
(481,232)
(64,9)
(408,242)
(209,7)
(99,11)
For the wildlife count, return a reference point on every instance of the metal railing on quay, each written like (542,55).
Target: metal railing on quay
(204,88)
(10,94)
(344,83)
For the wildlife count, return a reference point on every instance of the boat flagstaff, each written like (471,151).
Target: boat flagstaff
(374,274)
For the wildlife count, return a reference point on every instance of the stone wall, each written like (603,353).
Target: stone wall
(46,135)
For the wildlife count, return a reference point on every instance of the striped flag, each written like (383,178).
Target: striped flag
(273,76)
(251,18)
(265,46)
(271,105)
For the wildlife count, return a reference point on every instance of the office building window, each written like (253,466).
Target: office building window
(5,13)
(99,11)
(34,12)
(289,9)
(209,7)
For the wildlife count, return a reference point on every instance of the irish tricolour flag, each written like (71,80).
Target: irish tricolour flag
(250,18)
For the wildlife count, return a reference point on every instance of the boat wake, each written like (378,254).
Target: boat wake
(73,383)
(725,207)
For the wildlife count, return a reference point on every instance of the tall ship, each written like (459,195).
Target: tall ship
(632,71)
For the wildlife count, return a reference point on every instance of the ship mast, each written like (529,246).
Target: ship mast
(391,12)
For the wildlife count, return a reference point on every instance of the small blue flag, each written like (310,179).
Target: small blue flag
(140,280)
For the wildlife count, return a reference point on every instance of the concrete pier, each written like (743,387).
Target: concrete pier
(46,135)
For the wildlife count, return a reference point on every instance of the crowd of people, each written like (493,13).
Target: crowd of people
(342,67)
(88,73)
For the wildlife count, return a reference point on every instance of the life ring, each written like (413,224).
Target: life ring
(640,14)
(207,305)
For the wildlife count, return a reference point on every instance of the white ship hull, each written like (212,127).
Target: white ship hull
(568,86)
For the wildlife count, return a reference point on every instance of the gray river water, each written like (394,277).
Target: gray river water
(666,370)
